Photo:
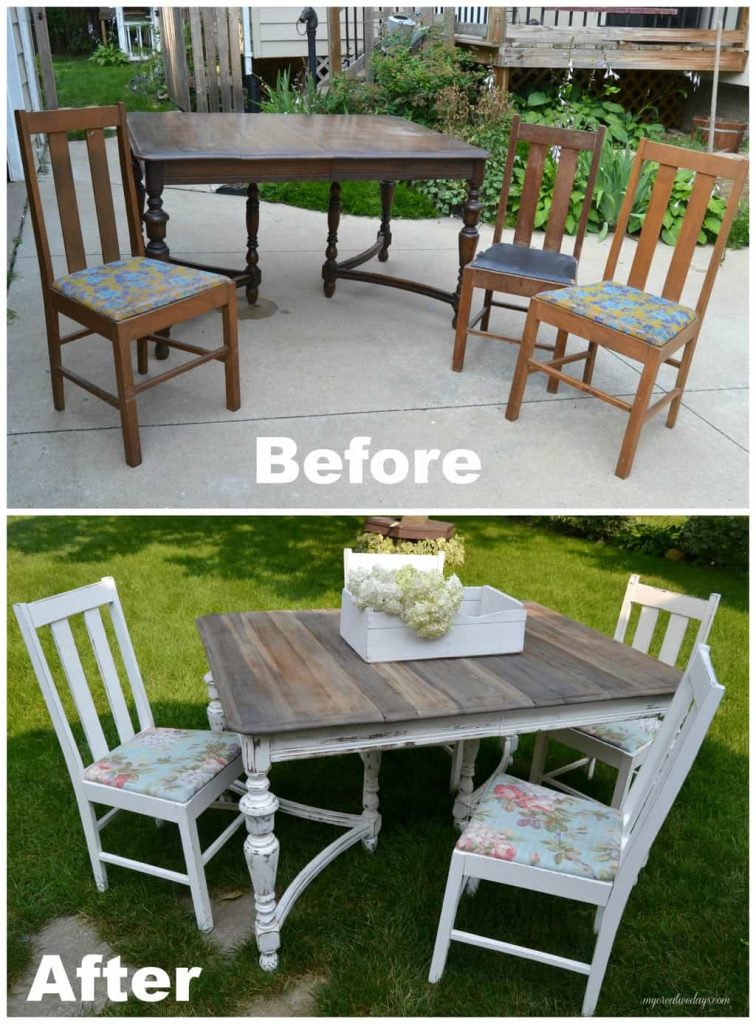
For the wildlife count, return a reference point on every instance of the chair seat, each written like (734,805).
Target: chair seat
(522,261)
(125,288)
(172,764)
(631,737)
(528,824)
(649,318)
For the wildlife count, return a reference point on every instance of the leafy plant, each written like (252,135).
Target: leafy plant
(739,233)
(453,548)
(109,55)
(717,540)
(425,601)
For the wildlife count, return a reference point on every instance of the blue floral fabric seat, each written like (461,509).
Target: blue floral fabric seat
(529,824)
(173,764)
(125,288)
(649,318)
(631,737)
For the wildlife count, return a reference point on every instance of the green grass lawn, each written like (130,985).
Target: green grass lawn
(368,923)
(360,198)
(81,84)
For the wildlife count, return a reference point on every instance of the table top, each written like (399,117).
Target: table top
(179,136)
(281,671)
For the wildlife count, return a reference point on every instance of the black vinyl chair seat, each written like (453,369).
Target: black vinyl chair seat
(522,261)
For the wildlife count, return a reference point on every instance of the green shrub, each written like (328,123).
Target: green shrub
(604,528)
(109,55)
(739,232)
(377,544)
(717,540)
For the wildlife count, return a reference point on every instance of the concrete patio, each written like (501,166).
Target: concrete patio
(370,361)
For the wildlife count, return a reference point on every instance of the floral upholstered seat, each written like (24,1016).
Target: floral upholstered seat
(529,824)
(628,736)
(173,764)
(649,318)
(124,288)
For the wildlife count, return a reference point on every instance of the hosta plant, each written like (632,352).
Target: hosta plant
(427,602)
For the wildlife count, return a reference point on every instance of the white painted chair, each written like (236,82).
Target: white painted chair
(608,851)
(167,774)
(624,745)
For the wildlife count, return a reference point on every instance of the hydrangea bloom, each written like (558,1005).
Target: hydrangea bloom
(427,602)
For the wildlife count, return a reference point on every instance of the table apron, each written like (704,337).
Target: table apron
(233,170)
(325,742)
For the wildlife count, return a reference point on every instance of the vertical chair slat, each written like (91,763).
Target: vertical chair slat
(68,207)
(652,225)
(109,673)
(673,639)
(645,630)
(688,237)
(560,202)
(144,712)
(103,195)
(530,194)
(69,657)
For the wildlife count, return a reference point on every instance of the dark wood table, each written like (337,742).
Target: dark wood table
(178,148)
(293,689)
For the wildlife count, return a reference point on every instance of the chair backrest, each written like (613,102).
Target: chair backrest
(57,613)
(682,609)
(707,168)
(56,124)
(670,758)
(565,145)
(366,560)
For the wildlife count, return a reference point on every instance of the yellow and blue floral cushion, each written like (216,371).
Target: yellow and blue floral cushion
(125,288)
(528,824)
(631,737)
(649,318)
(172,764)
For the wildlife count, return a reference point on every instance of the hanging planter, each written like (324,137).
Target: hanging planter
(728,134)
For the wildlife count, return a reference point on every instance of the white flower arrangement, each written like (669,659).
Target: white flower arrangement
(427,602)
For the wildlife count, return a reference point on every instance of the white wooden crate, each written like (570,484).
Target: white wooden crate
(488,622)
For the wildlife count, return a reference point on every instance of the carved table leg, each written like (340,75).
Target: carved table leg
(259,807)
(372,763)
(387,201)
(334,215)
(253,224)
(463,803)
(155,219)
(215,715)
(468,236)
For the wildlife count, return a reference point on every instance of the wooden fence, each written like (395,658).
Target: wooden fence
(203,69)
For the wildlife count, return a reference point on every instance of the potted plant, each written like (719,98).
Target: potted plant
(728,133)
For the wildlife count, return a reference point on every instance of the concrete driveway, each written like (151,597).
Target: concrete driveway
(368,362)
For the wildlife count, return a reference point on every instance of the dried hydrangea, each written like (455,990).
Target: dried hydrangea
(427,602)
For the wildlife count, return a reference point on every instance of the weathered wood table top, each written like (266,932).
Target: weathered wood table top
(286,147)
(281,671)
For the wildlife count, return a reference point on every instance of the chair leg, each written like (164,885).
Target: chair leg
(127,401)
(94,846)
(622,785)
(540,750)
(142,356)
(682,378)
(463,321)
(196,872)
(559,348)
(456,768)
(590,362)
(520,379)
(52,322)
(486,311)
(607,930)
(452,895)
(231,360)
(635,422)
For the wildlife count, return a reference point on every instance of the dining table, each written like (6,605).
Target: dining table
(183,148)
(292,689)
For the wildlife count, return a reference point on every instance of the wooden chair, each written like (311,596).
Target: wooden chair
(124,300)
(521,268)
(625,745)
(518,832)
(627,319)
(167,774)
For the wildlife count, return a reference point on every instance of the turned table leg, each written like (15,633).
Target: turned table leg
(259,807)
(334,215)
(372,763)
(463,803)
(387,201)
(155,219)
(468,236)
(253,258)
